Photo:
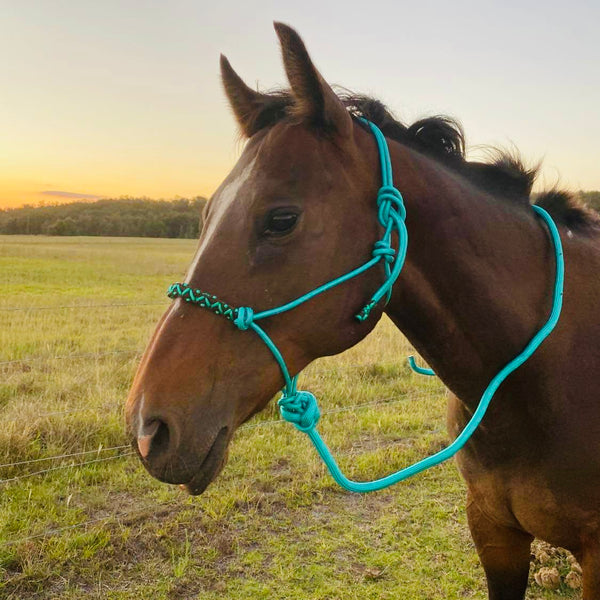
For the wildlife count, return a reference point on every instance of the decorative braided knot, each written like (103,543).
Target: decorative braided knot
(301,409)
(382,248)
(388,199)
(244,318)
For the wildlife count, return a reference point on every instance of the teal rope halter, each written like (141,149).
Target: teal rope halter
(300,407)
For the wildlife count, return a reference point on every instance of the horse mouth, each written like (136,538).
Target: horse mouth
(211,465)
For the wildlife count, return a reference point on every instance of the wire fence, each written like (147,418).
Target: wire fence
(124,450)
(161,508)
(70,466)
(59,456)
(311,371)
(85,355)
(137,351)
(389,401)
(57,413)
(121,453)
(79,410)
(75,306)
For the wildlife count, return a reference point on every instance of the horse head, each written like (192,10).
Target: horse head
(296,211)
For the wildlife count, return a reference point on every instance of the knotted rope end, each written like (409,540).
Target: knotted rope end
(363,315)
(300,409)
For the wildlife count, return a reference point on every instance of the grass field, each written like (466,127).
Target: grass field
(80,518)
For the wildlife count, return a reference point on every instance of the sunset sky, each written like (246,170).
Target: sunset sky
(122,97)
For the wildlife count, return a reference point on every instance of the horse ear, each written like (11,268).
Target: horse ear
(313,96)
(245,102)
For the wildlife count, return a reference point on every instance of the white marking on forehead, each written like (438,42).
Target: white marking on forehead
(223,201)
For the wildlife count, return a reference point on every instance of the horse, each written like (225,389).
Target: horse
(298,210)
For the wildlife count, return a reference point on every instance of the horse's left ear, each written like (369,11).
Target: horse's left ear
(313,96)
(249,107)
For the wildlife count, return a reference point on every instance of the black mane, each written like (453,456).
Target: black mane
(442,138)
(505,175)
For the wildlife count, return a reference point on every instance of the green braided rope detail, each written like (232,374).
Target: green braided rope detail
(202,299)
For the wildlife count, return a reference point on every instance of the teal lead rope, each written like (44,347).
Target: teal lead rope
(300,407)
(417,369)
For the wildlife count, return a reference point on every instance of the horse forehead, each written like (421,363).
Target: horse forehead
(225,198)
(292,145)
(220,205)
(229,191)
(285,156)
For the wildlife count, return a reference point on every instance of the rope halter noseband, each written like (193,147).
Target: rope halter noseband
(300,407)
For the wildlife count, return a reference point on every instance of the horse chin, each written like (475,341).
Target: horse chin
(211,466)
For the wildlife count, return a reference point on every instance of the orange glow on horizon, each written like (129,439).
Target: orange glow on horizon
(17,193)
(94,106)
(18,197)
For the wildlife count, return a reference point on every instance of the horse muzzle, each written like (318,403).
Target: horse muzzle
(169,457)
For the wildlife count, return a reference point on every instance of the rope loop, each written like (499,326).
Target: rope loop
(300,409)
(384,250)
(389,198)
(244,318)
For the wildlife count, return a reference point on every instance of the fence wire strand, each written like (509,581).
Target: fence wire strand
(158,510)
(58,456)
(68,306)
(58,413)
(353,407)
(70,466)
(310,369)
(390,400)
(33,359)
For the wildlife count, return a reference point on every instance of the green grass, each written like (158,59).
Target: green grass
(274,525)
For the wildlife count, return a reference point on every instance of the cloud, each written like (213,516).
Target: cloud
(72,195)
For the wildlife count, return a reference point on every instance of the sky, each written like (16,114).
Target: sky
(123,97)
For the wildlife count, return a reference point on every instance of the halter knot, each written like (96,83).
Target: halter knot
(299,408)
(384,250)
(244,318)
(389,198)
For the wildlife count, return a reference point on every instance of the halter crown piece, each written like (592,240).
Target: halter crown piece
(300,407)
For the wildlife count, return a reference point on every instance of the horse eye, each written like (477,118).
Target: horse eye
(280,222)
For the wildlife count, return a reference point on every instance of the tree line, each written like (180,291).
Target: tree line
(126,217)
(592,199)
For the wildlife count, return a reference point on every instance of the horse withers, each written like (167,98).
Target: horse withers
(476,285)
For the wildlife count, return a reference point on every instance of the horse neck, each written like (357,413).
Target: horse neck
(478,276)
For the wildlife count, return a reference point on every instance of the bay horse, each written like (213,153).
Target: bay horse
(297,210)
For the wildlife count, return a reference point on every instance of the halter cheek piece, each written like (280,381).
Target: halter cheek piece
(300,407)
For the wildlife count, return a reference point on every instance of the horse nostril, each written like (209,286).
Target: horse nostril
(153,436)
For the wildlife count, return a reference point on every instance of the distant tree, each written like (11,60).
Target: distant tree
(592,199)
(66,226)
